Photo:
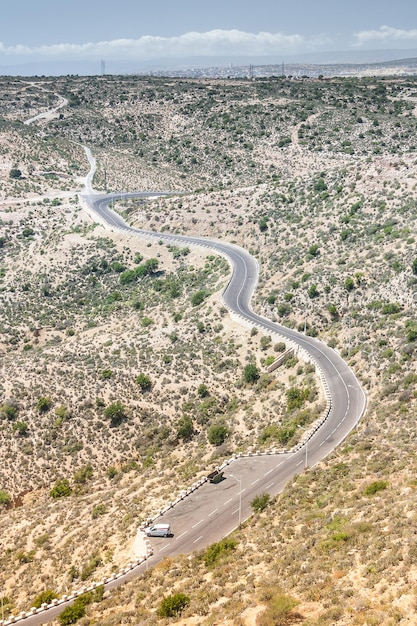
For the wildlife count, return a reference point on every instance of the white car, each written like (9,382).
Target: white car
(158,530)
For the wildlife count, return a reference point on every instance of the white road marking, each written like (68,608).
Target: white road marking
(213,512)
(195,541)
(182,535)
(269,471)
(200,522)
(237,510)
(255,481)
(269,486)
(227,501)
(299,463)
(164,548)
(322,443)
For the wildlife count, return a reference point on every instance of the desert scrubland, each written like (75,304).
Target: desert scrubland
(120,364)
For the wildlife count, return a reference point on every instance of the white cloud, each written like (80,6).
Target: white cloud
(212,43)
(385,34)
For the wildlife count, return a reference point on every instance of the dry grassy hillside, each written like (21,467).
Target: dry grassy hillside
(118,359)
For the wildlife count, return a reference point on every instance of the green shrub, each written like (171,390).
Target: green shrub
(218,550)
(5,498)
(115,412)
(278,611)
(21,428)
(9,411)
(45,597)
(391,308)
(203,391)
(111,472)
(98,510)
(72,614)
(263,224)
(172,605)
(185,428)
(251,373)
(144,381)
(269,432)
(199,297)
(44,404)
(61,489)
(90,566)
(296,397)
(259,503)
(83,474)
(349,283)
(280,347)
(373,488)
(217,433)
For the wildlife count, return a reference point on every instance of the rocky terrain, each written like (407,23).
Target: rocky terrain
(119,362)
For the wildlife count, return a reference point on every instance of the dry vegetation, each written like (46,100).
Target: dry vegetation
(318,180)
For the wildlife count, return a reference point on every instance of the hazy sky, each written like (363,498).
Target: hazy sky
(128,29)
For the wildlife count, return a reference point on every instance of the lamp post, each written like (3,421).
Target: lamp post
(239,479)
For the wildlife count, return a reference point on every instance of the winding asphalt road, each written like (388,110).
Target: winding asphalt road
(213,511)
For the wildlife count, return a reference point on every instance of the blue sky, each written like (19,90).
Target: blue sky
(130,29)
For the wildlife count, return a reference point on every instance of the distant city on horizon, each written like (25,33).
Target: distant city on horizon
(341,63)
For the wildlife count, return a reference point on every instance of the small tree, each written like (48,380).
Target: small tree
(251,373)
(217,433)
(115,412)
(15,173)
(414,266)
(185,428)
(172,605)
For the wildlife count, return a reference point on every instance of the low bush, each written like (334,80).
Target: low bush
(172,605)
(218,550)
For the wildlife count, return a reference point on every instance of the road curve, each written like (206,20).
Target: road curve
(347,398)
(197,523)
